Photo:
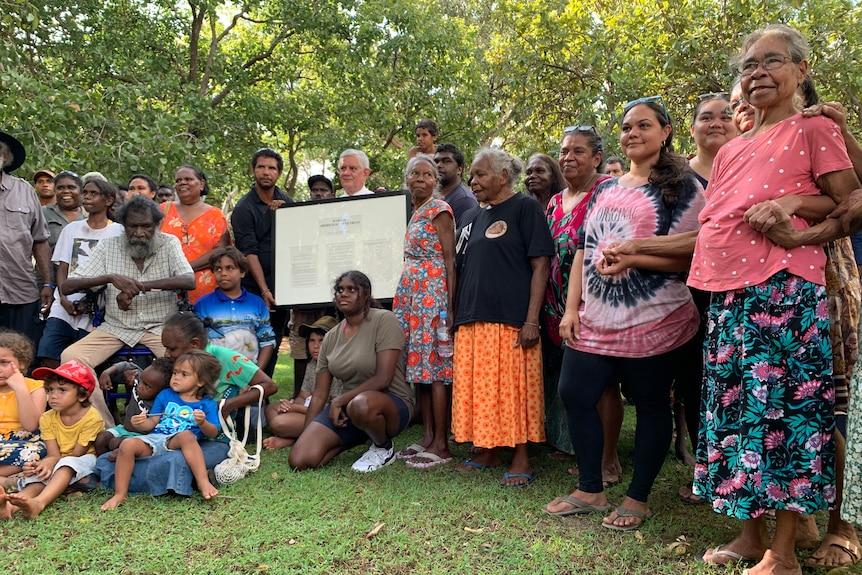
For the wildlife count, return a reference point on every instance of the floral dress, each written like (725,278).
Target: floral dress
(423,292)
(18,446)
(197,238)
(564,231)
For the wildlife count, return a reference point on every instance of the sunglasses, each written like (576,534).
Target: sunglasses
(714,96)
(579,128)
(647,100)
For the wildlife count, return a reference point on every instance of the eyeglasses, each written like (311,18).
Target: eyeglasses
(714,96)
(748,67)
(735,104)
(579,128)
(647,100)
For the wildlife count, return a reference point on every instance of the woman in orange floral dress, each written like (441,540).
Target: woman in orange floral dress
(201,228)
(497,397)
(424,292)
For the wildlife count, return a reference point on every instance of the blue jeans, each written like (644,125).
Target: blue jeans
(58,335)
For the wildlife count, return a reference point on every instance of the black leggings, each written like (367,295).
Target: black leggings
(583,379)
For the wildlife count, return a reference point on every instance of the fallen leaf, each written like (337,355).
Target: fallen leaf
(274,475)
(262,567)
(471,530)
(487,546)
(374,531)
(291,541)
(638,535)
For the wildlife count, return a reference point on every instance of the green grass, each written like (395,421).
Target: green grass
(435,521)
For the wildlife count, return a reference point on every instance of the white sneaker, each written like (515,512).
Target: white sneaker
(374,459)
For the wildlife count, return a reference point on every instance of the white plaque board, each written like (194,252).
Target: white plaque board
(315,242)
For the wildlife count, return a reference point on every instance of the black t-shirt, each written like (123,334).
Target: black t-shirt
(251,221)
(495,247)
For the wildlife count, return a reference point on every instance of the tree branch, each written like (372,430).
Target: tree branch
(283,34)
(198,13)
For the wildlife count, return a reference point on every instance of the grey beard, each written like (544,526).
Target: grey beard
(140,251)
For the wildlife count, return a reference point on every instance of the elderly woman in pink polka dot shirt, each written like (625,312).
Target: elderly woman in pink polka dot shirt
(766,437)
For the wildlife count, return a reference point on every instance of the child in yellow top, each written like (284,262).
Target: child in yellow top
(22,402)
(69,430)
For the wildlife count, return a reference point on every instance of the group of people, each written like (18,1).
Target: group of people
(724,280)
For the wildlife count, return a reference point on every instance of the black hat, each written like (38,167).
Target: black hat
(17,150)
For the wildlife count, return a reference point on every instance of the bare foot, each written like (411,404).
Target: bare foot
(560,456)
(208,490)
(688,496)
(630,521)
(276,442)
(772,564)
(608,479)
(30,507)
(6,508)
(113,503)
(807,533)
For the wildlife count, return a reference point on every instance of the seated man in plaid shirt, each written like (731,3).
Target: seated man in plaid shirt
(142,269)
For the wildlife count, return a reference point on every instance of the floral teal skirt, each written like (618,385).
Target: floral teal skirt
(20,447)
(767,413)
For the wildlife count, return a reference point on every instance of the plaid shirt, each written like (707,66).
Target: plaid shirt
(150,310)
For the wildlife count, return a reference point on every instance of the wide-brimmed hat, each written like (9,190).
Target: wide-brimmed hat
(324,324)
(73,371)
(17,149)
(48,173)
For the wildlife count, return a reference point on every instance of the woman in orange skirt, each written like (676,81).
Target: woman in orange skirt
(505,251)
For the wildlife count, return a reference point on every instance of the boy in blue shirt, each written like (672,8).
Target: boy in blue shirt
(238,320)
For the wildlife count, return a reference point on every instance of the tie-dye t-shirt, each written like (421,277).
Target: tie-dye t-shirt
(637,313)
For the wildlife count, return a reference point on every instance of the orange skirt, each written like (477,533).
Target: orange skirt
(497,397)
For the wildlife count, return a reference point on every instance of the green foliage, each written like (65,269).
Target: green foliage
(125,86)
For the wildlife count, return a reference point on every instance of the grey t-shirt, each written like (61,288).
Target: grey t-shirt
(354,360)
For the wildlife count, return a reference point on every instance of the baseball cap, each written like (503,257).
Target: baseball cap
(74,371)
(324,324)
(48,173)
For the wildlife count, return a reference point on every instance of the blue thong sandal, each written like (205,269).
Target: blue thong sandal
(530,477)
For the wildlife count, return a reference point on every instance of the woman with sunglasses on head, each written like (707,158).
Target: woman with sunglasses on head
(200,227)
(767,425)
(580,162)
(628,327)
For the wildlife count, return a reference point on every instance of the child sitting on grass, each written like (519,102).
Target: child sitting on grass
(155,378)
(286,418)
(239,320)
(69,430)
(183,414)
(22,402)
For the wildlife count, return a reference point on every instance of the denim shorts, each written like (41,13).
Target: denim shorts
(351,435)
(158,442)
